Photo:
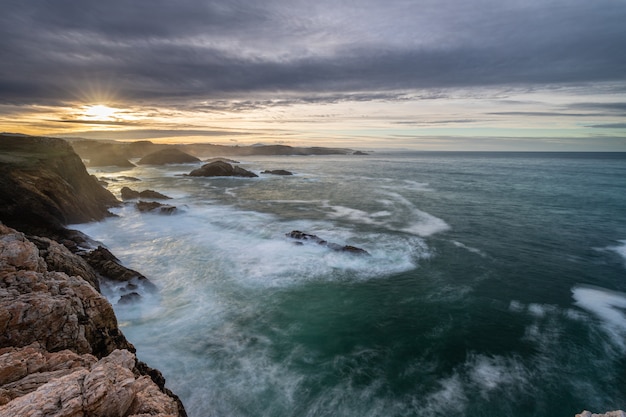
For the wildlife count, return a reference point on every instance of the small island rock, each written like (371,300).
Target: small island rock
(221,169)
(277,172)
(167,156)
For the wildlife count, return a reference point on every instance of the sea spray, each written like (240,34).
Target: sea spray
(475,299)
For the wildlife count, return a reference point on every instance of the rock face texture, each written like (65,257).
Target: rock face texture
(221,169)
(45,186)
(167,156)
(618,413)
(66,384)
(61,351)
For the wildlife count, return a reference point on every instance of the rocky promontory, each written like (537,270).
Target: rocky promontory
(45,186)
(61,350)
(167,156)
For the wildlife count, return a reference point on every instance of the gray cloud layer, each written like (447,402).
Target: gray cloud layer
(156,50)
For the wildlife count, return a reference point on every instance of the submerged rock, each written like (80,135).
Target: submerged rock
(130,194)
(301,236)
(277,172)
(145,206)
(221,169)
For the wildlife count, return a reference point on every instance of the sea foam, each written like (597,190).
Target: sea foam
(607,305)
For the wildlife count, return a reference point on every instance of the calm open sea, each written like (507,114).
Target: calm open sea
(495,285)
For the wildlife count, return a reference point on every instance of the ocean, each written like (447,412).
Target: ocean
(495,284)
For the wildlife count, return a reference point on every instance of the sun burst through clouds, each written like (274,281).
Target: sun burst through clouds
(100,112)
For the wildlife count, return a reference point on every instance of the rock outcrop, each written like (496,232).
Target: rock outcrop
(46,186)
(109,267)
(61,351)
(167,156)
(64,384)
(302,237)
(618,413)
(277,172)
(153,206)
(221,169)
(130,194)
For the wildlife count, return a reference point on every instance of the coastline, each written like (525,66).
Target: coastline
(40,268)
(61,350)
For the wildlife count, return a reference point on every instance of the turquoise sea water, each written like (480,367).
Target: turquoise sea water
(495,285)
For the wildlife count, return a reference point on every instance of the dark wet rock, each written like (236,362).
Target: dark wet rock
(130,194)
(360,153)
(277,172)
(221,169)
(108,266)
(129,298)
(304,237)
(100,181)
(167,156)
(145,206)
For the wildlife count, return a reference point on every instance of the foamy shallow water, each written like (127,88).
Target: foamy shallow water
(475,299)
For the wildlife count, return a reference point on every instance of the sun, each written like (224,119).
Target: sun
(99,112)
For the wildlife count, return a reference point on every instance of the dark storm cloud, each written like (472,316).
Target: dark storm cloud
(158,50)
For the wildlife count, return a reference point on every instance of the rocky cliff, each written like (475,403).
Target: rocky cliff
(61,350)
(45,186)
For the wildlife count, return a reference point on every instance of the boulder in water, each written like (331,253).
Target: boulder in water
(221,169)
(277,172)
(301,236)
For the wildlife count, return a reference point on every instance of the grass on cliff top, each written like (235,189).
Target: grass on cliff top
(15,151)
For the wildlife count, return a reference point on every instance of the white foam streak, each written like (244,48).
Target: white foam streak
(608,305)
(400,215)
(620,250)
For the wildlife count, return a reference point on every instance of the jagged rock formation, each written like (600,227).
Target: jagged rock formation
(61,351)
(66,384)
(110,268)
(46,186)
(53,329)
(130,194)
(221,169)
(301,236)
(618,413)
(167,156)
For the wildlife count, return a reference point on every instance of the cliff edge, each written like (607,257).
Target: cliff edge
(61,351)
(45,186)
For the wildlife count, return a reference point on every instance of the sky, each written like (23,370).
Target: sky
(368,74)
